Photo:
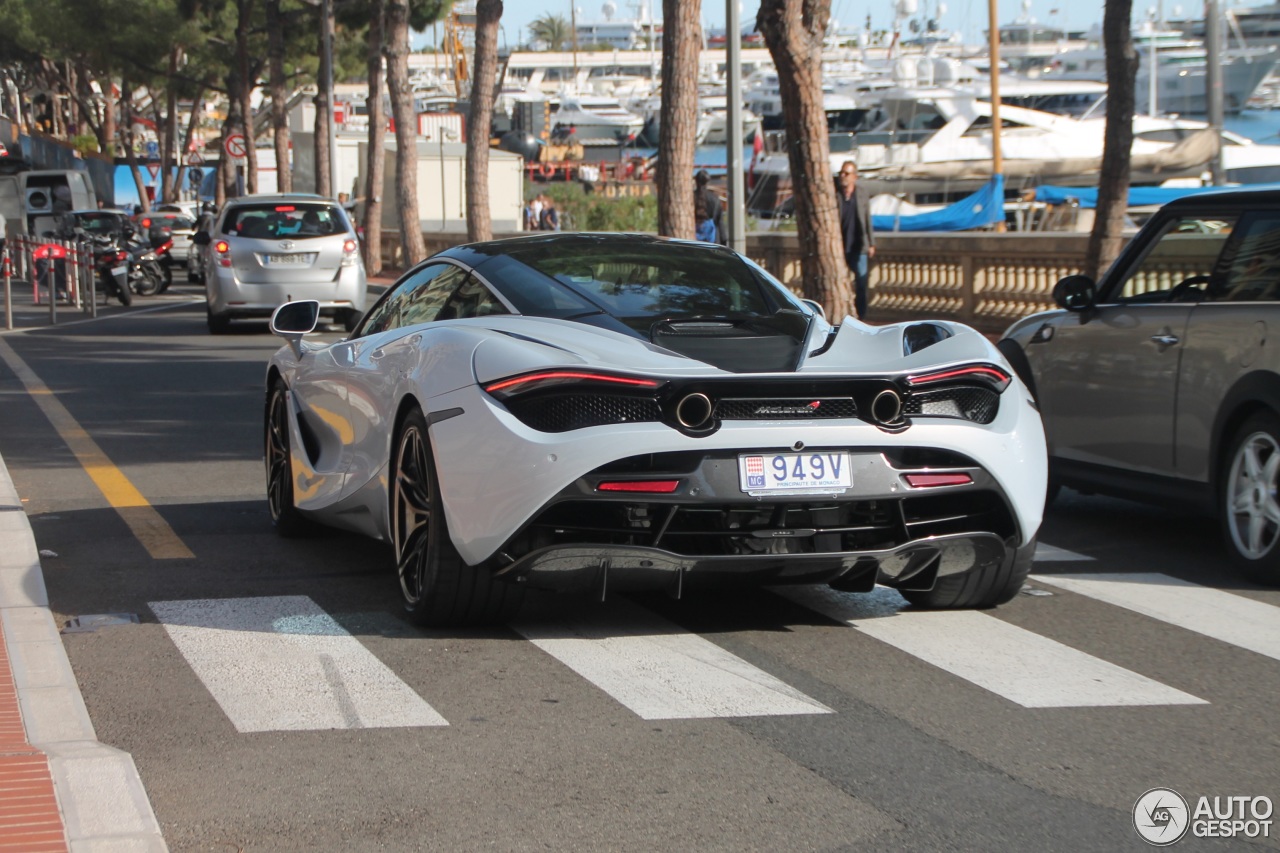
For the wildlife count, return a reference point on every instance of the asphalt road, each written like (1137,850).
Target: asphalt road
(751,721)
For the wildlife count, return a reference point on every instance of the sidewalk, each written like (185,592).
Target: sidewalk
(60,789)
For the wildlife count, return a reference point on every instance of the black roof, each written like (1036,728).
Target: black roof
(1265,196)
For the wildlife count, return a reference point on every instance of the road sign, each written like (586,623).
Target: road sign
(153,149)
(236,147)
(195,158)
(154,169)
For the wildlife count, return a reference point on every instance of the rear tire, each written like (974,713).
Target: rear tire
(980,588)
(150,283)
(1248,509)
(439,589)
(277,452)
(124,294)
(219,324)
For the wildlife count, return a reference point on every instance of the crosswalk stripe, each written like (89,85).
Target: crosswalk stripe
(659,670)
(283,664)
(1023,667)
(1221,615)
(1046,553)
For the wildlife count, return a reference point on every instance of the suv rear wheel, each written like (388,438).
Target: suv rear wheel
(1247,503)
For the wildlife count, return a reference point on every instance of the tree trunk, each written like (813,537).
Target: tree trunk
(678,117)
(245,93)
(324,110)
(192,122)
(229,185)
(377,155)
(108,119)
(414,246)
(279,96)
(169,182)
(1106,239)
(480,120)
(793,31)
(126,140)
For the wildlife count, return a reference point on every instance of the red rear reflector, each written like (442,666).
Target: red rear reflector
(978,371)
(925,481)
(146,223)
(657,487)
(285,208)
(569,374)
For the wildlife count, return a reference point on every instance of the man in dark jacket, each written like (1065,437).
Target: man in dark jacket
(855,228)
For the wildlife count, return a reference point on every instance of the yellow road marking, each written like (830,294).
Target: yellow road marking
(147,525)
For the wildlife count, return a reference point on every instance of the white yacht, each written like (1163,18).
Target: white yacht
(936,145)
(1181,67)
(595,118)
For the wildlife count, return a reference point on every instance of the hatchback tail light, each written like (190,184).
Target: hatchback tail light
(223,250)
(350,253)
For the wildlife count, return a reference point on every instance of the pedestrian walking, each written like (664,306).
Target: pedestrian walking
(549,219)
(855,228)
(708,213)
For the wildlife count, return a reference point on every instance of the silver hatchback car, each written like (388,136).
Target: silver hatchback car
(264,251)
(1161,381)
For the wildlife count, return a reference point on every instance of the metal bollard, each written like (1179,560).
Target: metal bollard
(8,291)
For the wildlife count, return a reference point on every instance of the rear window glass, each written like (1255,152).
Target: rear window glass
(638,284)
(175,221)
(98,223)
(294,221)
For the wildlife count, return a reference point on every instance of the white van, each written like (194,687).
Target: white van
(32,201)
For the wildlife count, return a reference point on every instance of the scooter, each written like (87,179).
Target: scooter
(111,269)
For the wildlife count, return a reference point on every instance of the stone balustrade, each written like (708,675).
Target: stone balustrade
(985,279)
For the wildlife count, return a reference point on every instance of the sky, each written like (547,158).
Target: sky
(968,17)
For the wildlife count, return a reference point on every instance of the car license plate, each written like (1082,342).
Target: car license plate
(295,260)
(797,473)
(119,271)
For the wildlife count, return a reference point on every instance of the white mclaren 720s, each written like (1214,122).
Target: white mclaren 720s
(621,412)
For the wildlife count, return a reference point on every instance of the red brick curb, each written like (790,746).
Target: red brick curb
(30,820)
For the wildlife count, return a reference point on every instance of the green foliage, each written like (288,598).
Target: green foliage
(583,211)
(85,143)
(552,30)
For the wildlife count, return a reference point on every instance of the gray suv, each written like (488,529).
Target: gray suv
(1160,383)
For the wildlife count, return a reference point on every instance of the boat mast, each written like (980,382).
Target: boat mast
(993,39)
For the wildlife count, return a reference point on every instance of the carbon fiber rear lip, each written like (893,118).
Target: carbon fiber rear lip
(915,565)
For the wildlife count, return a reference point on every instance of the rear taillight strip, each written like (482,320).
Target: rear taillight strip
(555,375)
(989,373)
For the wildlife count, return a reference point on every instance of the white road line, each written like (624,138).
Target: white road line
(1023,667)
(1230,618)
(659,670)
(283,664)
(1046,553)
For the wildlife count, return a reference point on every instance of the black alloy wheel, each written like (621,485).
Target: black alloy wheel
(286,518)
(439,589)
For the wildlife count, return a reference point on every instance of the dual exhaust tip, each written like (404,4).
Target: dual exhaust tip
(694,411)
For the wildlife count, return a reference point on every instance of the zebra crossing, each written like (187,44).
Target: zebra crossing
(283,663)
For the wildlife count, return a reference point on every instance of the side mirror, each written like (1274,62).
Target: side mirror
(293,320)
(201,238)
(1075,292)
(816,306)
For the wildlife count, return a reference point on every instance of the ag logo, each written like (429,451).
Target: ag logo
(1161,816)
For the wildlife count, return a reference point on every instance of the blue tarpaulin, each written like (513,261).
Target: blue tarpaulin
(985,207)
(1138,196)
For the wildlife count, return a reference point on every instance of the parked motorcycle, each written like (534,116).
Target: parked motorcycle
(111,269)
(147,274)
